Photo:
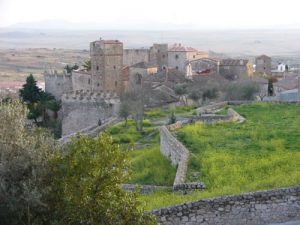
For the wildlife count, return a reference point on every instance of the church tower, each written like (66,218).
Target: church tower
(107,63)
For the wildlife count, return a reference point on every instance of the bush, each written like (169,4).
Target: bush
(242,91)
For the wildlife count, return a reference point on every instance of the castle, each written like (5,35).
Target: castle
(90,97)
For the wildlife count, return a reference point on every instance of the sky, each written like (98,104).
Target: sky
(162,14)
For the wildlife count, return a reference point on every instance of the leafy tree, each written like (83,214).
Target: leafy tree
(195,95)
(181,91)
(87,185)
(30,93)
(270,87)
(45,99)
(24,156)
(69,69)
(87,65)
(210,94)
(124,109)
(54,106)
(242,91)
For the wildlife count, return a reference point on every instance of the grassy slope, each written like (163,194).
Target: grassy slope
(262,153)
(148,165)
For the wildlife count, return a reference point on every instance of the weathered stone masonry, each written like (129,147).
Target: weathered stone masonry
(176,152)
(257,208)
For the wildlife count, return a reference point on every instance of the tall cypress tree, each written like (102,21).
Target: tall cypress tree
(30,92)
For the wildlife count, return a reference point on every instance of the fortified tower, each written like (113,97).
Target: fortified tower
(107,63)
(159,55)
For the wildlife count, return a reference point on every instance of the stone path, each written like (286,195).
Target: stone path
(288,223)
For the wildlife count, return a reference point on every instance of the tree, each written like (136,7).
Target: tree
(45,99)
(54,106)
(30,93)
(195,95)
(270,87)
(87,185)
(172,118)
(69,69)
(24,157)
(209,94)
(242,91)
(181,91)
(124,109)
(87,65)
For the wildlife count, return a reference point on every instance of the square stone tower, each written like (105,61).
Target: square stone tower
(107,63)
(159,55)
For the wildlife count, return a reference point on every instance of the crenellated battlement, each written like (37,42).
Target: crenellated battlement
(90,96)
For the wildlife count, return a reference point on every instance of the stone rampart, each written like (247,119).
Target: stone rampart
(256,208)
(82,109)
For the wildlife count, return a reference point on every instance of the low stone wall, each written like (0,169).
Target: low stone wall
(256,208)
(210,108)
(171,148)
(145,189)
(91,131)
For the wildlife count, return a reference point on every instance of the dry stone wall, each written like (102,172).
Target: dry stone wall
(257,208)
(171,148)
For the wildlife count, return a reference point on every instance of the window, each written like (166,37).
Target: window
(114,67)
(89,81)
(98,84)
(116,83)
(97,68)
(158,51)
(176,56)
(194,56)
(163,56)
(176,67)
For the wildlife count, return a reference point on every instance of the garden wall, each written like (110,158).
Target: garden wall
(171,148)
(263,207)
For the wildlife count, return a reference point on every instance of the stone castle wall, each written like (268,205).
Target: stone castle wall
(257,208)
(133,56)
(83,109)
(57,83)
(81,80)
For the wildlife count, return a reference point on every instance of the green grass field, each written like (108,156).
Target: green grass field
(262,153)
(149,166)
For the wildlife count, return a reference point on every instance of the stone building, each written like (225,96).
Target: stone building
(263,64)
(157,55)
(232,69)
(179,56)
(107,64)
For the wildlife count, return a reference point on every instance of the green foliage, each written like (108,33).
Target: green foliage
(125,110)
(149,167)
(210,94)
(172,118)
(270,87)
(242,91)
(155,113)
(30,93)
(262,153)
(180,89)
(195,95)
(24,156)
(87,65)
(87,185)
(69,69)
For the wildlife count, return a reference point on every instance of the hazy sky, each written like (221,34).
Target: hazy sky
(137,13)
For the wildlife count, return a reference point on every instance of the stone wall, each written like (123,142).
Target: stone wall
(257,208)
(83,109)
(91,131)
(133,56)
(171,148)
(81,80)
(144,189)
(57,83)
